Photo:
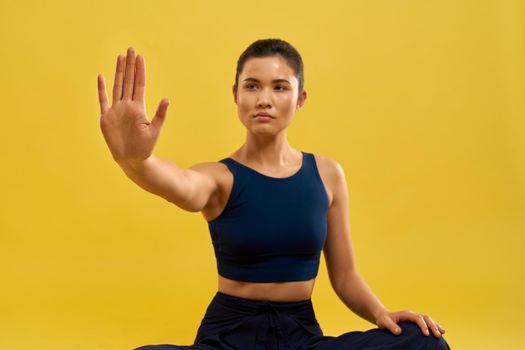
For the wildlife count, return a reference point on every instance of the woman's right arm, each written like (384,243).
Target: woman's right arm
(131,137)
(190,189)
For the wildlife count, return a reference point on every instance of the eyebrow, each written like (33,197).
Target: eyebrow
(273,81)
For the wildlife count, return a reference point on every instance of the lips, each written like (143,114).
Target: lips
(263,115)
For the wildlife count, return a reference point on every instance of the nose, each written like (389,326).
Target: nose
(263,99)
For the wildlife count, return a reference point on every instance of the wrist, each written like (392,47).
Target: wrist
(380,311)
(134,164)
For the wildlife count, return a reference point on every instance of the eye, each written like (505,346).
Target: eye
(281,87)
(249,86)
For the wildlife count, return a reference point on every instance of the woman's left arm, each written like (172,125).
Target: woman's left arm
(347,283)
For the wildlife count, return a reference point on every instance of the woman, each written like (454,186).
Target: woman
(270,208)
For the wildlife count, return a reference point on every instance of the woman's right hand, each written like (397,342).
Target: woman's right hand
(127,131)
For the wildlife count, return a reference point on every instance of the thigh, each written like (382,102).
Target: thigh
(411,338)
(172,347)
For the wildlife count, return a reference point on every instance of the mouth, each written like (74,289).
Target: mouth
(263,115)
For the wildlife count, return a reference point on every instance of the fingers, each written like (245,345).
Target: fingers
(102,96)
(420,320)
(129,77)
(432,325)
(388,321)
(441,329)
(427,325)
(140,79)
(119,75)
(160,114)
(425,322)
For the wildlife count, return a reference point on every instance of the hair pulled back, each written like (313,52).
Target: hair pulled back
(273,47)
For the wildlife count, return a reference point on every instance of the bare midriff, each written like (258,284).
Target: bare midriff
(273,291)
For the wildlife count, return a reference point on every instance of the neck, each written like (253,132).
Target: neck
(268,152)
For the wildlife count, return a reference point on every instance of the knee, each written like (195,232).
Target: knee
(437,343)
(442,344)
(413,332)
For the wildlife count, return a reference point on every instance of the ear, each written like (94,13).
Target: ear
(234,90)
(301,99)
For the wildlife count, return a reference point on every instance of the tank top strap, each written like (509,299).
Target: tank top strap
(242,171)
(312,173)
(239,171)
(310,166)
(241,179)
(230,163)
(309,163)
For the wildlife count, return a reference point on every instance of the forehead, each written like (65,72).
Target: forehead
(267,67)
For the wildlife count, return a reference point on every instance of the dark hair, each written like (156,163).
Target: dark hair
(273,47)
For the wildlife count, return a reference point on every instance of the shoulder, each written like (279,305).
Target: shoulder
(208,167)
(328,165)
(217,181)
(332,174)
(216,170)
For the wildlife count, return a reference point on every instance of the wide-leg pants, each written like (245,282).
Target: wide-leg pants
(234,323)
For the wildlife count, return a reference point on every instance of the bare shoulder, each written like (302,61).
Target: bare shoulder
(210,168)
(216,171)
(331,172)
(222,179)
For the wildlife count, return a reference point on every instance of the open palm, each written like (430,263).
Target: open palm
(127,130)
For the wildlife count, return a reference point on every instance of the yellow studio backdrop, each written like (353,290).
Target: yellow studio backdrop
(421,102)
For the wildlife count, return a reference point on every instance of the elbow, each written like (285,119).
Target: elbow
(195,193)
(187,196)
(191,200)
(340,281)
(185,204)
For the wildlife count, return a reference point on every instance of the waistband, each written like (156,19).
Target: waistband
(225,313)
(254,305)
(238,310)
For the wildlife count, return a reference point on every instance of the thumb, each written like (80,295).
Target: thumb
(160,114)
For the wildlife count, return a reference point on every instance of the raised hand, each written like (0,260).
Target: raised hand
(127,131)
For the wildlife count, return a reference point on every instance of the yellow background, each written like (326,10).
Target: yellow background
(422,102)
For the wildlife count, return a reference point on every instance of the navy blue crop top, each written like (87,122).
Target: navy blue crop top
(271,229)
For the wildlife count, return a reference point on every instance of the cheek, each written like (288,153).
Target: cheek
(244,105)
(243,100)
(287,103)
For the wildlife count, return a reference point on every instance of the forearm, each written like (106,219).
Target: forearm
(160,177)
(358,297)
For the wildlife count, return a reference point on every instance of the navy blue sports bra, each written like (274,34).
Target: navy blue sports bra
(271,229)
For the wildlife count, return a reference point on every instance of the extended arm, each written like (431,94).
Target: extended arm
(189,189)
(131,137)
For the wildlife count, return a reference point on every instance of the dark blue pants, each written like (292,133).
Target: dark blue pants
(233,323)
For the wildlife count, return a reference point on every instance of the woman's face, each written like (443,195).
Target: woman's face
(267,85)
